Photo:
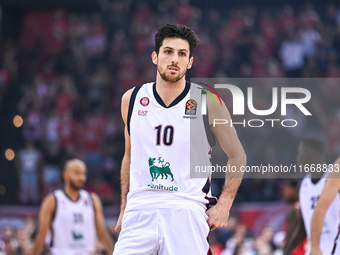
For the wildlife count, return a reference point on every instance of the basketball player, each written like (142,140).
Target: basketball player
(329,196)
(163,210)
(74,216)
(311,152)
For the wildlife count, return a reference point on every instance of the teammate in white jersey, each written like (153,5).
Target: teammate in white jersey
(163,209)
(311,152)
(329,194)
(73,216)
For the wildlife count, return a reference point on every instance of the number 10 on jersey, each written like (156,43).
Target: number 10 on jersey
(165,135)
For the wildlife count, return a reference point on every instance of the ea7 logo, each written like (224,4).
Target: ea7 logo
(142,113)
(238,100)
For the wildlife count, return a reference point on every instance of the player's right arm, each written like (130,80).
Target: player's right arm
(125,168)
(47,211)
(327,197)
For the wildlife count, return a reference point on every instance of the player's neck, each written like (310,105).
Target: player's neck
(316,177)
(71,193)
(169,91)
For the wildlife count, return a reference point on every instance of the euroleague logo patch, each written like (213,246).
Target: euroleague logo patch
(190,107)
(144,101)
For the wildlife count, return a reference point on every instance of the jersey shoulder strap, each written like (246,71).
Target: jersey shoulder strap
(209,133)
(131,104)
(55,207)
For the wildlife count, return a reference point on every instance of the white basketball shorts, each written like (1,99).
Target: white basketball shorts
(164,232)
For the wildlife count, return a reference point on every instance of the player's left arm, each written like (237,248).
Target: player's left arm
(327,197)
(102,233)
(228,139)
(296,232)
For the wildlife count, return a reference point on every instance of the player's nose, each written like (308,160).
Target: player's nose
(174,59)
(82,178)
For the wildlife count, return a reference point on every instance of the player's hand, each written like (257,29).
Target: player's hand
(118,227)
(315,251)
(218,216)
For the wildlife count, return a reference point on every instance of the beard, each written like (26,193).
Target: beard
(75,186)
(168,77)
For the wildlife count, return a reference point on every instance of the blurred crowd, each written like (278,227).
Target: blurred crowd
(237,239)
(74,67)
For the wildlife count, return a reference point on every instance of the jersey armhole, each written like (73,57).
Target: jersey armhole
(50,244)
(94,208)
(209,133)
(55,208)
(131,104)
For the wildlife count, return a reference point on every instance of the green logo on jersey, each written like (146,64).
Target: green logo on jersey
(163,170)
(77,236)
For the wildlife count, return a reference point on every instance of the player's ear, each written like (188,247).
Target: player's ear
(65,174)
(191,60)
(154,57)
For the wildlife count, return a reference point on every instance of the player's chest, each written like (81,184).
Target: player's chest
(74,213)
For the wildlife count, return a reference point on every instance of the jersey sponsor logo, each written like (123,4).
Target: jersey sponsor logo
(189,117)
(144,101)
(77,236)
(190,107)
(162,169)
(161,187)
(142,113)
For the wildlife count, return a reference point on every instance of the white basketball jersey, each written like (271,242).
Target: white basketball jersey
(73,230)
(309,194)
(166,142)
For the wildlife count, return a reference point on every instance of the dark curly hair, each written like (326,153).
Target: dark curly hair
(176,31)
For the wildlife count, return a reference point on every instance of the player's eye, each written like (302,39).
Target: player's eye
(168,51)
(183,54)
